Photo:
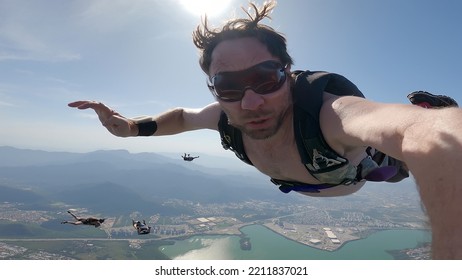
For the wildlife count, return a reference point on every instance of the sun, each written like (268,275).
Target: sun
(201,7)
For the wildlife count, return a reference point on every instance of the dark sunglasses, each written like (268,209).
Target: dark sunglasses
(263,78)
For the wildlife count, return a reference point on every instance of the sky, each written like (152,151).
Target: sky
(137,57)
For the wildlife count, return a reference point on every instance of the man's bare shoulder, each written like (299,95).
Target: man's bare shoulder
(331,121)
(206,117)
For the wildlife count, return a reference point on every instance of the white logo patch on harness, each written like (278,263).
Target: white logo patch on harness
(320,161)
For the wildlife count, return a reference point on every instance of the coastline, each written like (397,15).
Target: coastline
(311,244)
(352,235)
(305,234)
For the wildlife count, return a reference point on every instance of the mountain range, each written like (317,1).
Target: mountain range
(120,181)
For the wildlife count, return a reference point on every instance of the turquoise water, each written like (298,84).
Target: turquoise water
(267,245)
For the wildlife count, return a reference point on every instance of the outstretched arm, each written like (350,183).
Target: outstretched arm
(429,141)
(72,214)
(171,122)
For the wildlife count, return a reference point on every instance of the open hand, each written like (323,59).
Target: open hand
(113,121)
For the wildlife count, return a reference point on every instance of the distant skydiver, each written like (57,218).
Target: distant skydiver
(141,228)
(91,221)
(188,157)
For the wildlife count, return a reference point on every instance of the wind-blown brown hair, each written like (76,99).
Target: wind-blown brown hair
(206,38)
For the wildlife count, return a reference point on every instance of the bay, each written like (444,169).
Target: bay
(268,245)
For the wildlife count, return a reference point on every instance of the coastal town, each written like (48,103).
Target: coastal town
(320,224)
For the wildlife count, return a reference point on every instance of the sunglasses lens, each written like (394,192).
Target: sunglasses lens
(268,81)
(262,78)
(231,95)
(227,89)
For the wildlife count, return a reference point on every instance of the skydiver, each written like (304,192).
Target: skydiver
(84,221)
(188,157)
(141,228)
(249,72)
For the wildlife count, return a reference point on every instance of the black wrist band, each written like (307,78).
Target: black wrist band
(147,128)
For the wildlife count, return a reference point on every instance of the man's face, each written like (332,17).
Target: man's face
(257,115)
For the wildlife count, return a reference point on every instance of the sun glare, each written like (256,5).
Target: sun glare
(201,7)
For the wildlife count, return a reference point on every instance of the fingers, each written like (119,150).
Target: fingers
(102,110)
(81,104)
(110,119)
(76,103)
(88,104)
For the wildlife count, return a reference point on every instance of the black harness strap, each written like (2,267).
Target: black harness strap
(231,138)
(318,157)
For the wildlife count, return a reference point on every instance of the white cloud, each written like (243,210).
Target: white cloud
(21,44)
(112,15)
(6,95)
(6,104)
(32,34)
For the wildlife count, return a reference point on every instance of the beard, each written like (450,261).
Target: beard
(265,133)
(262,134)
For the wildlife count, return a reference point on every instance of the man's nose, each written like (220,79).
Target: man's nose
(251,100)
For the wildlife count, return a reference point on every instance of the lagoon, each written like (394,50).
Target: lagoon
(268,245)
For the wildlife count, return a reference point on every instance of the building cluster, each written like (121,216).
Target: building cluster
(331,236)
(12,252)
